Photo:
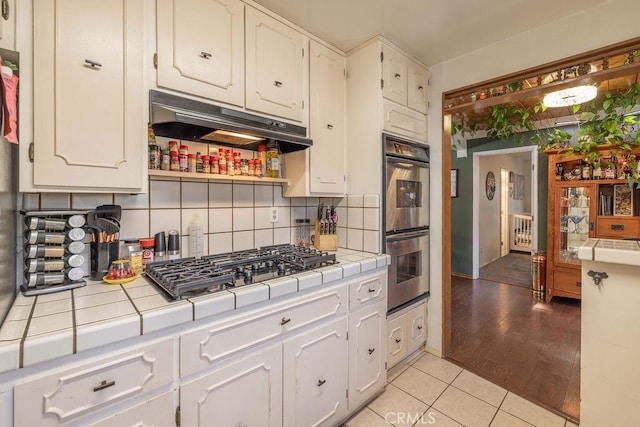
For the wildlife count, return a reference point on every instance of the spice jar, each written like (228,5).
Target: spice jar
(251,164)
(191,163)
(237,166)
(214,165)
(222,166)
(258,167)
(147,245)
(154,156)
(206,166)
(165,160)
(230,165)
(198,162)
(184,152)
(174,162)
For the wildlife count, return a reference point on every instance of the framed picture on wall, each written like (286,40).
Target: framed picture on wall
(519,190)
(454,182)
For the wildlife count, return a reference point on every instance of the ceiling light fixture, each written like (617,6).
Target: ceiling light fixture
(570,96)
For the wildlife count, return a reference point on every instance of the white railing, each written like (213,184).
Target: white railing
(521,230)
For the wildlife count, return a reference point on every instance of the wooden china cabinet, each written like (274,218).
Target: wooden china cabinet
(582,208)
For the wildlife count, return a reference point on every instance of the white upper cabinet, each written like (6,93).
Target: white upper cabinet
(417,84)
(394,75)
(8,25)
(201,48)
(89,127)
(274,66)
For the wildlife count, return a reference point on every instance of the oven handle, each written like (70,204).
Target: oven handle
(401,160)
(407,236)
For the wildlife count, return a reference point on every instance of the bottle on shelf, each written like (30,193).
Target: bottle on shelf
(262,157)
(273,167)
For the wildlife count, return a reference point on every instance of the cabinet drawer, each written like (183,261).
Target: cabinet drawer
(566,282)
(403,121)
(617,227)
(158,411)
(204,347)
(67,395)
(367,290)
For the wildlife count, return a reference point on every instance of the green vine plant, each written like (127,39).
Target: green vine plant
(611,120)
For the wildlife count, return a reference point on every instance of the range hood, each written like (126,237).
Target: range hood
(182,118)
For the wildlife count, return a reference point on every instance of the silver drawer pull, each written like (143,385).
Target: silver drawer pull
(321,382)
(398,340)
(419,328)
(104,384)
(92,64)
(371,350)
(277,83)
(205,55)
(329,126)
(372,289)
(284,321)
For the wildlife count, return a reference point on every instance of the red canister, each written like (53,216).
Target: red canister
(147,245)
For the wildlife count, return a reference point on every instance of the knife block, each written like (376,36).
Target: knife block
(325,242)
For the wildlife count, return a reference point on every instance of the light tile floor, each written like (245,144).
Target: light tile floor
(434,392)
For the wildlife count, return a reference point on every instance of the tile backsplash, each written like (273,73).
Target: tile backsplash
(235,216)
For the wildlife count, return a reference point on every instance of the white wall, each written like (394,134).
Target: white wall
(588,29)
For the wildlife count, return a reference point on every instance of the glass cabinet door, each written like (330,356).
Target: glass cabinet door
(573,221)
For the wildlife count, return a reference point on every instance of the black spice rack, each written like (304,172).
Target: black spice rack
(56,251)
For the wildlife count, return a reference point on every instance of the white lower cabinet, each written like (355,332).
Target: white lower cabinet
(159,411)
(406,332)
(367,350)
(315,376)
(243,393)
(65,396)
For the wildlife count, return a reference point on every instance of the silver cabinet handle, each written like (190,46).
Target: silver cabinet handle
(104,384)
(329,126)
(92,64)
(371,350)
(420,87)
(284,321)
(277,83)
(398,340)
(597,277)
(419,328)
(372,290)
(397,76)
(205,55)
(321,382)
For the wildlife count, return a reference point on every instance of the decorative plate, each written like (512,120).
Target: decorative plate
(490,185)
(118,281)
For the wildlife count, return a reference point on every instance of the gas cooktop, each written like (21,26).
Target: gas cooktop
(188,277)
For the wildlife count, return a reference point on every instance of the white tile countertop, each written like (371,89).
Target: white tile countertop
(46,327)
(625,252)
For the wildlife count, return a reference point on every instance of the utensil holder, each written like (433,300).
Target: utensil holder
(325,242)
(102,254)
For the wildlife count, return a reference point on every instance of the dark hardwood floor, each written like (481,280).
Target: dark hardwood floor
(530,348)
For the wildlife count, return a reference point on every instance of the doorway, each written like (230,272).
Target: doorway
(490,230)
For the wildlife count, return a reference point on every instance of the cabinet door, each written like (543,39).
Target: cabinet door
(394,74)
(274,58)
(326,124)
(201,48)
(315,381)
(417,87)
(396,340)
(573,222)
(8,27)
(367,353)
(416,327)
(245,393)
(158,411)
(89,129)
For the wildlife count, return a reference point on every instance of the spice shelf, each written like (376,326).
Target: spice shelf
(215,177)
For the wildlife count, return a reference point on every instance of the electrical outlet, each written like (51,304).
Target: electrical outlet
(273,214)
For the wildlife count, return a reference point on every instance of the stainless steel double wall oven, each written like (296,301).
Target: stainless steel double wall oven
(406,206)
